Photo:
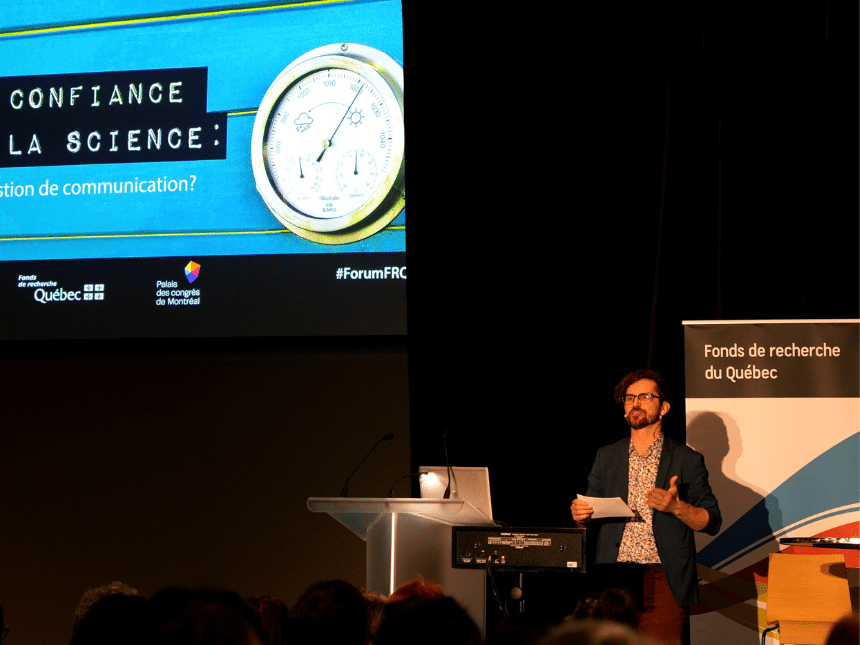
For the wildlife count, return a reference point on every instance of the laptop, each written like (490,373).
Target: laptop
(470,484)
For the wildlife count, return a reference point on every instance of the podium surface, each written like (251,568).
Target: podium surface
(407,538)
(358,514)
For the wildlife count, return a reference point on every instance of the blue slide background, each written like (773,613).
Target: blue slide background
(244,50)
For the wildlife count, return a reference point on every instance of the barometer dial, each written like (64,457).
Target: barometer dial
(327,147)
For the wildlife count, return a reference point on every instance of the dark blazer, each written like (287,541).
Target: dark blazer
(674,539)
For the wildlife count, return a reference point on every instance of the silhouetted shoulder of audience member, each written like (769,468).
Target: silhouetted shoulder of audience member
(519,629)
(202,617)
(332,612)
(416,588)
(846,631)
(115,619)
(594,631)
(271,616)
(427,621)
(611,604)
(92,596)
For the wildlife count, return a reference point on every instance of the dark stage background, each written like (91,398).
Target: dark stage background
(701,164)
(628,169)
(576,194)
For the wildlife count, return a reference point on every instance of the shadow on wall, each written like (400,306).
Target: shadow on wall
(718,438)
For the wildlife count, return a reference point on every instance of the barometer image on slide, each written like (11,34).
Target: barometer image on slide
(327,148)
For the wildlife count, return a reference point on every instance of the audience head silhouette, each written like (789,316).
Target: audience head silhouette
(614,604)
(595,631)
(427,621)
(115,618)
(332,612)
(416,588)
(93,595)
(271,616)
(202,617)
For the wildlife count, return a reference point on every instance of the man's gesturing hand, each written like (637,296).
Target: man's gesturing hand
(664,500)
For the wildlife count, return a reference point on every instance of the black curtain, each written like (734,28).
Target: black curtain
(585,180)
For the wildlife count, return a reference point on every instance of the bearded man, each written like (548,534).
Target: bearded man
(665,484)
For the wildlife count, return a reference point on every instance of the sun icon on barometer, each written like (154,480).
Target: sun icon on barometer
(355,118)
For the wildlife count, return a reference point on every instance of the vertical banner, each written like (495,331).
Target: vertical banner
(774,406)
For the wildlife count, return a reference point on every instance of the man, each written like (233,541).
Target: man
(665,483)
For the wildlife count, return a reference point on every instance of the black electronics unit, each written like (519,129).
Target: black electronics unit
(520,549)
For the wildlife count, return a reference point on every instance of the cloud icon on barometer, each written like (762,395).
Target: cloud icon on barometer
(303,122)
(348,99)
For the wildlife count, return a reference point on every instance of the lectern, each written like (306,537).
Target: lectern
(806,596)
(407,538)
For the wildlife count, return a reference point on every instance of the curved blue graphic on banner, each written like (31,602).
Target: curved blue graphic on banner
(837,471)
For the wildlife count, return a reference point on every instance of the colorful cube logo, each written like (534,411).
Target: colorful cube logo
(192,271)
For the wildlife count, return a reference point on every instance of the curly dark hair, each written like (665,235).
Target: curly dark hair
(638,375)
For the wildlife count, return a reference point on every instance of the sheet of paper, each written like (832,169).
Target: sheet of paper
(607,507)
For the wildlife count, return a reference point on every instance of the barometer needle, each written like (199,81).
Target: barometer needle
(327,142)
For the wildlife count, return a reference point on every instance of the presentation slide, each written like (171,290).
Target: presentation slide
(172,169)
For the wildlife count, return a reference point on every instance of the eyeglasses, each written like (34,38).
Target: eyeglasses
(641,398)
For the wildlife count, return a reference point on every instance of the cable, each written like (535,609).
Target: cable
(502,605)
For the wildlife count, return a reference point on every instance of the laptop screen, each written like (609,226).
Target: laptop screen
(471,484)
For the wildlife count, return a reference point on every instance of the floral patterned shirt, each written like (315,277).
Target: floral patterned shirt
(637,543)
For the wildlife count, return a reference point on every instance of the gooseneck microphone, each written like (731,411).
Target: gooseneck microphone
(343,491)
(399,479)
